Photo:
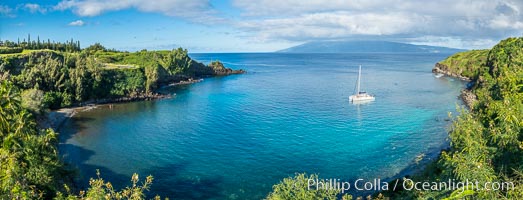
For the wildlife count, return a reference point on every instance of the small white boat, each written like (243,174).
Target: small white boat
(360,96)
(438,75)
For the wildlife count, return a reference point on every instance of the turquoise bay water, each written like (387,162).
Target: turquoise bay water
(234,137)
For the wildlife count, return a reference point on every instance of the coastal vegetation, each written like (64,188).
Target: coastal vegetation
(29,160)
(28,44)
(466,65)
(486,141)
(67,77)
(297,187)
(36,76)
(30,167)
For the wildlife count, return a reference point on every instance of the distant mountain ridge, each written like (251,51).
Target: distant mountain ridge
(365,47)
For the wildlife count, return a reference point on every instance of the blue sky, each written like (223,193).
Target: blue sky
(263,25)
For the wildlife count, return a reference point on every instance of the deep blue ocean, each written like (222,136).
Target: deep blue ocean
(234,137)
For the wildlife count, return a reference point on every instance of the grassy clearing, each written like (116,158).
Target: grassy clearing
(119,66)
(27,51)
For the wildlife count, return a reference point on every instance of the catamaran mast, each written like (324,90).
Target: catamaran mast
(359,78)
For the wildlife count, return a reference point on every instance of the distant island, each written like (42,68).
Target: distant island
(365,47)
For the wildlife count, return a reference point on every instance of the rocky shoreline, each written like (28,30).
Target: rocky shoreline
(56,118)
(184,82)
(130,98)
(444,69)
(468,97)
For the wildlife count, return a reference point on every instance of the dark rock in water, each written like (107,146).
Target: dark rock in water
(216,68)
(221,70)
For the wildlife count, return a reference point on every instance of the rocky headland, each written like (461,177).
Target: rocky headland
(445,70)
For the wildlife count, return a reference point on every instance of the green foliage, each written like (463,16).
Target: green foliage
(100,189)
(29,162)
(86,79)
(94,48)
(458,194)
(487,142)
(474,158)
(33,100)
(44,71)
(52,100)
(297,188)
(467,64)
(152,75)
(68,46)
(69,78)
(174,62)
(217,65)
(126,81)
(506,57)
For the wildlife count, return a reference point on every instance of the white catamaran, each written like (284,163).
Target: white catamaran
(360,96)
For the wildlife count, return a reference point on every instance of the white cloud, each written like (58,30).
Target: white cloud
(77,23)
(505,22)
(459,23)
(6,11)
(194,9)
(293,7)
(330,25)
(34,8)
(468,24)
(454,42)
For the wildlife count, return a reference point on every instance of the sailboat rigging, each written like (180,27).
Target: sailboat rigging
(360,96)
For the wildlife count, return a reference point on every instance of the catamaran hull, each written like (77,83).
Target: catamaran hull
(354,98)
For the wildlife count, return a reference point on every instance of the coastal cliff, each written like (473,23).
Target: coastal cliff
(445,70)
(463,65)
(70,82)
(485,141)
(99,75)
(220,70)
(36,77)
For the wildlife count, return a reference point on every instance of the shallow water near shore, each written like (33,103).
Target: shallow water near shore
(234,137)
